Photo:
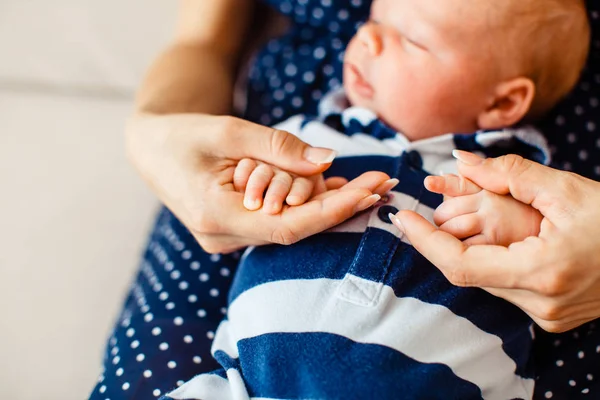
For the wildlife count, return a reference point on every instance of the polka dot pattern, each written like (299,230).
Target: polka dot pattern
(568,364)
(164,333)
(165,330)
(566,361)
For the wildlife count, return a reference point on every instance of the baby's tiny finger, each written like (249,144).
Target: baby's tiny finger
(278,190)
(456,206)
(476,240)
(463,226)
(451,185)
(301,191)
(242,174)
(319,185)
(257,184)
(335,182)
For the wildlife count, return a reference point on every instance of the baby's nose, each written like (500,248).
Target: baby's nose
(369,36)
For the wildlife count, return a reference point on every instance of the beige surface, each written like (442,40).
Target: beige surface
(99,45)
(74,215)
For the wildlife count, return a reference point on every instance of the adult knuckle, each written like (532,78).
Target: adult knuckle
(209,244)
(203,223)
(229,123)
(551,326)
(514,163)
(284,236)
(458,277)
(229,128)
(550,311)
(554,284)
(566,185)
(516,166)
(463,186)
(569,193)
(488,196)
(280,141)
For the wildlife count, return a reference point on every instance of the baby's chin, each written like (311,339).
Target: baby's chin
(355,99)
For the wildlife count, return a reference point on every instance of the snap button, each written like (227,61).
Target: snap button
(383,212)
(414,159)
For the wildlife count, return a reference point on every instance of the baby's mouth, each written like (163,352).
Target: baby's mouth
(358,82)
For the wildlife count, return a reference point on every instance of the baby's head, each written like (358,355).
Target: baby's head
(429,67)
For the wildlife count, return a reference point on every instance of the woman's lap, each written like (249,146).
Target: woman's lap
(170,315)
(164,334)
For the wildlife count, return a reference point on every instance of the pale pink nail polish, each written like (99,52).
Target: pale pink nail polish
(467,158)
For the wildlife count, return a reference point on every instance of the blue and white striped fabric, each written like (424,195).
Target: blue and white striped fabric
(358,313)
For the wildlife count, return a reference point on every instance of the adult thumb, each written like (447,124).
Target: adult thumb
(244,139)
(525,180)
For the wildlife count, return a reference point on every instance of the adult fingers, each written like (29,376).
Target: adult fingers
(270,145)
(451,185)
(463,265)
(321,214)
(296,223)
(369,180)
(293,223)
(372,181)
(551,191)
(386,186)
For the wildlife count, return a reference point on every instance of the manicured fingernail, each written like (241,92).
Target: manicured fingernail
(319,156)
(367,202)
(392,183)
(467,158)
(397,222)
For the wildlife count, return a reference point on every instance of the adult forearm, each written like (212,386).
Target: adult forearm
(189,78)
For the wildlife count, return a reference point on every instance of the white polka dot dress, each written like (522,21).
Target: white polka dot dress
(164,333)
(569,364)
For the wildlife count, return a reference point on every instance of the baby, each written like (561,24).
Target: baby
(356,312)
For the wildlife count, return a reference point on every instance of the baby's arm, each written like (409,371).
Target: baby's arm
(269,187)
(480,216)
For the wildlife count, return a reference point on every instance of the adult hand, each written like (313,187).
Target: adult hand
(555,276)
(189,162)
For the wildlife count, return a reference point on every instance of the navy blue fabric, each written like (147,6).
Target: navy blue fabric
(377,256)
(309,356)
(287,78)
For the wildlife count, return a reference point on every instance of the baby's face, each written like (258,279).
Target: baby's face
(421,66)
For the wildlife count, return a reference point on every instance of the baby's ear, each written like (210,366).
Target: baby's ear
(511,102)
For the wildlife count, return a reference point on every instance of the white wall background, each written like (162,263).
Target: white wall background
(73,214)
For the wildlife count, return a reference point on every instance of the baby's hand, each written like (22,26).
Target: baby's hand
(480,216)
(253,178)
